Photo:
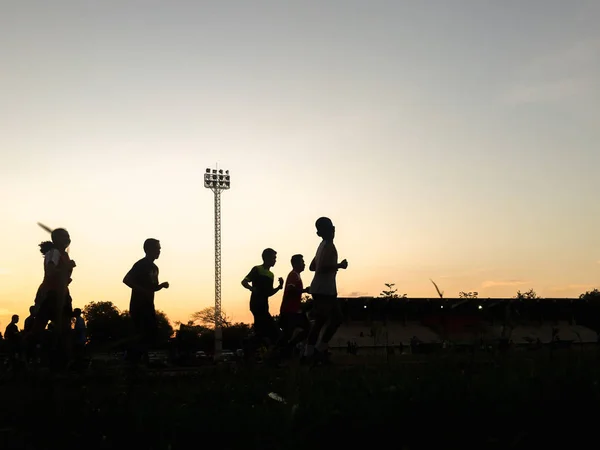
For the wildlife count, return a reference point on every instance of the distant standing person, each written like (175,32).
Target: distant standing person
(326,310)
(259,281)
(28,336)
(80,332)
(13,338)
(28,325)
(79,329)
(292,318)
(143,281)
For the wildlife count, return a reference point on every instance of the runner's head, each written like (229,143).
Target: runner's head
(298,263)
(61,238)
(152,248)
(31,310)
(269,257)
(325,228)
(15,319)
(77,312)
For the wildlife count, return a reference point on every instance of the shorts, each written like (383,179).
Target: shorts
(144,321)
(264,324)
(47,305)
(290,321)
(327,307)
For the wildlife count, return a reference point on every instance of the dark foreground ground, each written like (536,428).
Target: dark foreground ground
(523,400)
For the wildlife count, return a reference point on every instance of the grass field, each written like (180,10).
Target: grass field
(522,400)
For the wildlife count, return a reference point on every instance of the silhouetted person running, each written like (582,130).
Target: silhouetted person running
(53,300)
(291,315)
(143,281)
(260,282)
(326,309)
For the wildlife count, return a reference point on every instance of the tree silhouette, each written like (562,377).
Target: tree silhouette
(306,303)
(463,294)
(590,295)
(206,318)
(529,295)
(164,329)
(110,328)
(105,324)
(391,292)
(192,337)
(234,335)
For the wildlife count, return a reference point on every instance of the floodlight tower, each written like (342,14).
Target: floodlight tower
(217,181)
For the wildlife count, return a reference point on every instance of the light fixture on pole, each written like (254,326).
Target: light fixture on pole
(217,181)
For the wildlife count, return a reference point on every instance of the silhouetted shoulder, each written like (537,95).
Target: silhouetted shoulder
(293,278)
(253,274)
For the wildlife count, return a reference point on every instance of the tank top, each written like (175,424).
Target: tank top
(324,283)
(52,280)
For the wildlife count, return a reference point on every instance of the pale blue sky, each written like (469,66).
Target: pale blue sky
(443,138)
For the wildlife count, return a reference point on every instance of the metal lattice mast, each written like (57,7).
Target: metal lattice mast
(217,181)
(218,324)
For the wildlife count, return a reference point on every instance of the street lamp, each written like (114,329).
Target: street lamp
(217,181)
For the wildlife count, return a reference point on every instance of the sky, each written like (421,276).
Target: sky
(456,141)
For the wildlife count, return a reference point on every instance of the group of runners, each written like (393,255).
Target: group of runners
(294,327)
(53,302)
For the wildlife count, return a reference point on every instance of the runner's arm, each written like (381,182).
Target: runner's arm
(293,284)
(246,284)
(248,279)
(278,288)
(275,290)
(131,281)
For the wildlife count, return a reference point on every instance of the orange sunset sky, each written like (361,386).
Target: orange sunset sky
(456,141)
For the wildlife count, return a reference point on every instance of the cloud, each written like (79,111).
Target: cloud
(573,287)
(560,74)
(495,283)
(356,294)
(575,56)
(4,271)
(548,91)
(464,273)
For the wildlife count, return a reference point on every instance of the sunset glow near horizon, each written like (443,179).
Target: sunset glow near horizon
(456,141)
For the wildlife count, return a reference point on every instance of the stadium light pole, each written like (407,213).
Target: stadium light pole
(217,181)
